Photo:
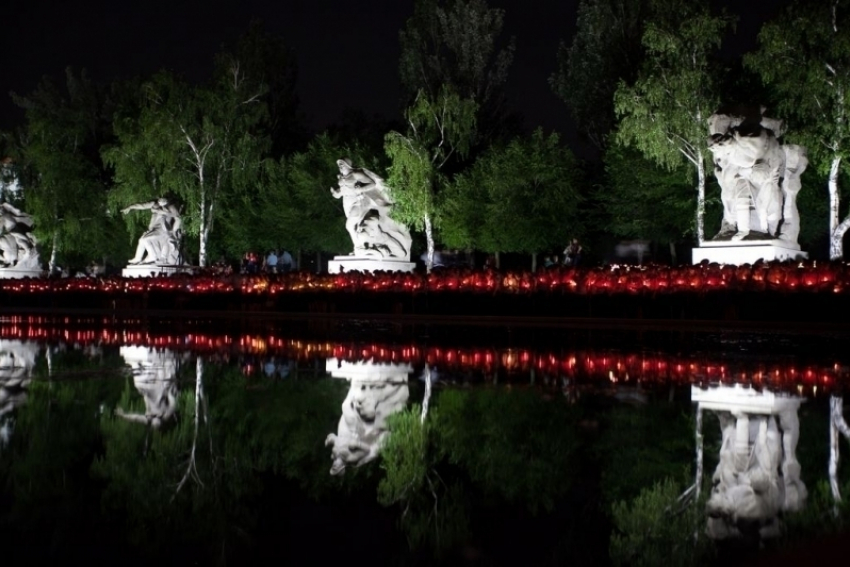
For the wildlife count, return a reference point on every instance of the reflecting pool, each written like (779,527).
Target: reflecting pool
(369,442)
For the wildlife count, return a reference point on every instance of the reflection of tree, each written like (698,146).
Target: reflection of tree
(837,425)
(148,469)
(657,528)
(509,448)
(45,466)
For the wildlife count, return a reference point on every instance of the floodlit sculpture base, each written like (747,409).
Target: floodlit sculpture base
(747,252)
(359,264)
(16,273)
(150,270)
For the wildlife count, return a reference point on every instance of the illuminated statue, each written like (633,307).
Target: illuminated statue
(367,205)
(377,391)
(154,377)
(757,475)
(759,178)
(160,244)
(17,361)
(17,243)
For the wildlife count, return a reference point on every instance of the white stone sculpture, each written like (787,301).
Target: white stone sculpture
(758,475)
(154,374)
(759,178)
(160,244)
(367,205)
(17,361)
(377,391)
(18,252)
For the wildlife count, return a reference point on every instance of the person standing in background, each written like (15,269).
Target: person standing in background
(572,253)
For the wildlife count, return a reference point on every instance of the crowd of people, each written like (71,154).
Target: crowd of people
(570,257)
(275,262)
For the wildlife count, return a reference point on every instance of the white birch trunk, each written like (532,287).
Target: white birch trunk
(836,234)
(533,262)
(426,401)
(699,449)
(429,238)
(836,241)
(191,466)
(836,405)
(700,197)
(204,232)
(51,264)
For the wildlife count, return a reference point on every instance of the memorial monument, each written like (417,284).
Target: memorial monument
(155,378)
(18,253)
(380,243)
(17,361)
(158,250)
(758,475)
(759,180)
(377,391)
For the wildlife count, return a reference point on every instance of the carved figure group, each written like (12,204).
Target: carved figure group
(363,425)
(17,242)
(367,205)
(759,178)
(154,376)
(758,474)
(160,244)
(17,361)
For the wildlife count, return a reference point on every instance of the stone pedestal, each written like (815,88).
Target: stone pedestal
(359,264)
(747,252)
(15,273)
(150,270)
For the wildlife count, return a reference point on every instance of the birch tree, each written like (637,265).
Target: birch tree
(605,50)
(458,43)
(60,169)
(663,113)
(437,129)
(804,56)
(196,143)
(523,197)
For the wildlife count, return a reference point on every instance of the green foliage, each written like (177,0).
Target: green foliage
(279,426)
(655,529)
(406,457)
(434,513)
(663,114)
(292,205)
(60,168)
(605,50)
(643,200)
(438,129)
(524,197)
(455,43)
(201,144)
(514,445)
(640,445)
(804,57)
(265,60)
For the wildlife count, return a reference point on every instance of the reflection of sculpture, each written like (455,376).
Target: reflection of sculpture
(758,474)
(367,206)
(153,375)
(17,243)
(17,360)
(758,189)
(160,245)
(377,391)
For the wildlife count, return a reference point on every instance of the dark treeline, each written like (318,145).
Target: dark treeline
(640,78)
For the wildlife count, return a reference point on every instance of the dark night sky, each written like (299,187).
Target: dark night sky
(347,51)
